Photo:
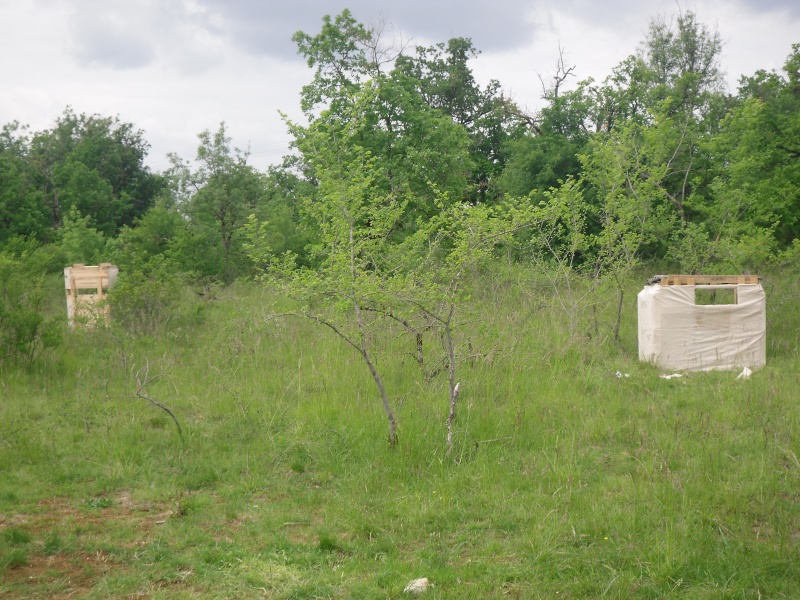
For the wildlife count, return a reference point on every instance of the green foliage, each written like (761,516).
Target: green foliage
(757,173)
(328,543)
(557,477)
(81,243)
(281,213)
(217,197)
(156,233)
(564,251)
(735,250)
(145,299)
(21,211)
(17,557)
(441,75)
(627,172)
(53,544)
(26,330)
(96,165)
(386,115)
(339,54)
(355,219)
(539,162)
(682,56)
(16,537)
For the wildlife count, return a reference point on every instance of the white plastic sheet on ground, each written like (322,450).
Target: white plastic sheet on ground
(679,335)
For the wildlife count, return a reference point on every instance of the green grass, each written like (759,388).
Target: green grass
(565,481)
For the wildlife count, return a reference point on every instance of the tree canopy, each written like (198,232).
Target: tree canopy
(714,175)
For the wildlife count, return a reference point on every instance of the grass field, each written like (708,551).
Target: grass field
(565,481)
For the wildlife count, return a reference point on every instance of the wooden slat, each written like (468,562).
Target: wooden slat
(709,280)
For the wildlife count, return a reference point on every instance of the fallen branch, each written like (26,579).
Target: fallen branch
(143,379)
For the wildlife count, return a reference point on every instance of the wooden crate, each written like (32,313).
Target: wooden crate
(86,288)
(709,280)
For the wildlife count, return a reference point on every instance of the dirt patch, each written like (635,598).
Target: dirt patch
(58,576)
(64,569)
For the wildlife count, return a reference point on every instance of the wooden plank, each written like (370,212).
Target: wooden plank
(709,280)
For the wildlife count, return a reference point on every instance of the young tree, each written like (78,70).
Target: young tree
(355,218)
(627,170)
(434,266)
(26,330)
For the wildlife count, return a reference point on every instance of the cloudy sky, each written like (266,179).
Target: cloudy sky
(177,67)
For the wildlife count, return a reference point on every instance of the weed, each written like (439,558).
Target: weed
(99,503)
(327,542)
(53,544)
(17,557)
(17,536)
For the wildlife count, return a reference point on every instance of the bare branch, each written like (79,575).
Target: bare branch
(143,378)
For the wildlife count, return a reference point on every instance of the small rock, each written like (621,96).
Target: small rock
(418,586)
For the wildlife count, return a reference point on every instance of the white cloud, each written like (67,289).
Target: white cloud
(176,68)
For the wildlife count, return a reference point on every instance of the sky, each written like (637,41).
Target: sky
(175,68)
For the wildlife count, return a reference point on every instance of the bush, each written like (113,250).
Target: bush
(143,301)
(80,242)
(25,330)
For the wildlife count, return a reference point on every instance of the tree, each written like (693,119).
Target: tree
(441,75)
(281,211)
(355,217)
(627,170)
(219,195)
(339,54)
(433,266)
(80,242)
(154,234)
(21,210)
(756,166)
(682,56)
(95,164)
(416,144)
(548,152)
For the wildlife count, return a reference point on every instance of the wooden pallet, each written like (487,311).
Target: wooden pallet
(86,288)
(709,280)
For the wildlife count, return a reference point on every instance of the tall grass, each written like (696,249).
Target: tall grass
(566,481)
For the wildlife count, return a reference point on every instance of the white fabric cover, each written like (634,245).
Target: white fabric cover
(677,334)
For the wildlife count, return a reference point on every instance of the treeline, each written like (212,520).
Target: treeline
(657,161)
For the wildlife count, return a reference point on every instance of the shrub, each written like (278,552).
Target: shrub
(143,301)
(25,330)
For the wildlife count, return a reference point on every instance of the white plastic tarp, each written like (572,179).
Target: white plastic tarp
(677,334)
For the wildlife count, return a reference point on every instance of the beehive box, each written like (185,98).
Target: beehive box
(677,333)
(86,288)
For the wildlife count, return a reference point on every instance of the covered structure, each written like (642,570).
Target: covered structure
(679,330)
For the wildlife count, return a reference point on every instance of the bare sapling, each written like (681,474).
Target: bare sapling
(143,379)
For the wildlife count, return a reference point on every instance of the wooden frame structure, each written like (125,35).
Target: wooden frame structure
(709,280)
(86,288)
